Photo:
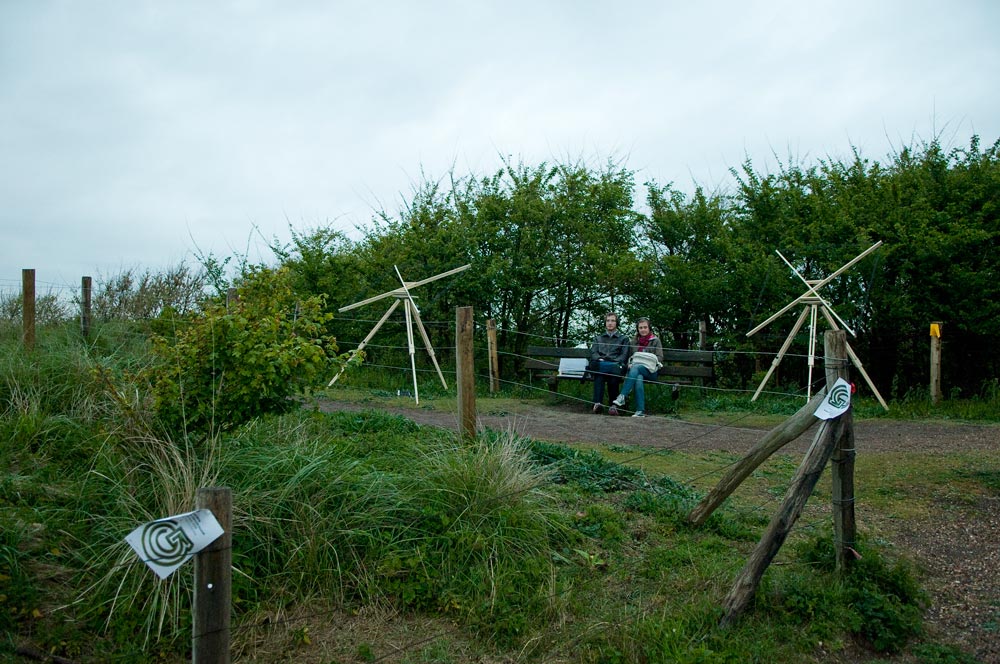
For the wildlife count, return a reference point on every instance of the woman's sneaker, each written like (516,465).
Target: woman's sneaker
(613,410)
(619,401)
(638,413)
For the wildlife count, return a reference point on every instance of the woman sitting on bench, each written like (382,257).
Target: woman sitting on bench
(646,358)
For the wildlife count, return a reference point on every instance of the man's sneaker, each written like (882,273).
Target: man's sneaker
(613,410)
(638,413)
(596,409)
(619,401)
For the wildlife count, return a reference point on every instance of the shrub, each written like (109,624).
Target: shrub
(226,366)
(884,600)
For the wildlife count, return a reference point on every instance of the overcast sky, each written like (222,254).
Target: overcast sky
(134,132)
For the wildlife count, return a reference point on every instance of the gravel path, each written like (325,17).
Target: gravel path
(573,424)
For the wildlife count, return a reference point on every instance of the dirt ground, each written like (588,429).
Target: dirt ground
(959,555)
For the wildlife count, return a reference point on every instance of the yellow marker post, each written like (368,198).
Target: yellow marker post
(935,362)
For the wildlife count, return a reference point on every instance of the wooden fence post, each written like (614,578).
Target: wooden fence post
(842,462)
(845,529)
(491,341)
(936,362)
(213,583)
(85,312)
(827,438)
(466,378)
(781,524)
(28,308)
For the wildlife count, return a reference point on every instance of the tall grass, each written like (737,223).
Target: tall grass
(351,508)
(435,526)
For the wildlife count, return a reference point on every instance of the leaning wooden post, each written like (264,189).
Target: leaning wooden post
(776,438)
(86,284)
(213,583)
(781,524)
(466,378)
(842,466)
(491,341)
(935,362)
(827,437)
(28,308)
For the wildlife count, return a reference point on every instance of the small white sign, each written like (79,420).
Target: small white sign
(572,366)
(837,401)
(166,544)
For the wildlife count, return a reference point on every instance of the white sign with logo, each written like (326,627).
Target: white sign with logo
(837,401)
(166,544)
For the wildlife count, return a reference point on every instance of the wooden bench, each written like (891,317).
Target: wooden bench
(680,367)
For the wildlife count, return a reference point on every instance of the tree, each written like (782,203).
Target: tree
(546,245)
(686,271)
(943,231)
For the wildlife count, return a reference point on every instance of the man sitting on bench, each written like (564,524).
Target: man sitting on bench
(607,358)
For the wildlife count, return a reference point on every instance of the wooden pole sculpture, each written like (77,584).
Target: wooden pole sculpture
(412,314)
(814,305)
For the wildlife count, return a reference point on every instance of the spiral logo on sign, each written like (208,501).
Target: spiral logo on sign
(840,396)
(164,543)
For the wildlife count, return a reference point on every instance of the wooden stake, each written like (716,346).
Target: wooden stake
(491,341)
(466,377)
(844,524)
(213,583)
(781,524)
(842,466)
(85,312)
(28,308)
(936,362)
